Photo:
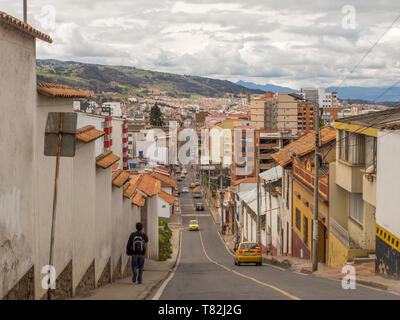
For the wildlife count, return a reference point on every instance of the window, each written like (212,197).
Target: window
(352,146)
(370,152)
(357,207)
(305,225)
(298,219)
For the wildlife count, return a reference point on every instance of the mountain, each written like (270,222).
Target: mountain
(367,94)
(265,87)
(130,80)
(375,94)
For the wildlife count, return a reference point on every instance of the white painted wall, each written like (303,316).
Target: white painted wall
(103,219)
(17,105)
(388,181)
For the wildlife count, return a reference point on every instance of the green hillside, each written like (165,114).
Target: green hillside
(130,80)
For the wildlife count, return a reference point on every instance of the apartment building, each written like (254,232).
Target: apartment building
(327,102)
(353,186)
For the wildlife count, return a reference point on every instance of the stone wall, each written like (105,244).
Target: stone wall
(24,289)
(88,281)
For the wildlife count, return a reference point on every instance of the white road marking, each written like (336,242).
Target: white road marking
(163,286)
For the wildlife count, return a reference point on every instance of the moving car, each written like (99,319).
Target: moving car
(248,252)
(184,171)
(192,185)
(193,225)
(185,189)
(179,179)
(197,183)
(183,176)
(199,206)
(196,194)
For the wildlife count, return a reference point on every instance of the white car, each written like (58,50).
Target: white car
(185,189)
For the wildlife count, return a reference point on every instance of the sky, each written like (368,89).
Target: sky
(287,42)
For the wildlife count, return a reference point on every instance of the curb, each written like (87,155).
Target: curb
(149,291)
(283,264)
(373,284)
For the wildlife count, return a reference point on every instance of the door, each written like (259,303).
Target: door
(321,242)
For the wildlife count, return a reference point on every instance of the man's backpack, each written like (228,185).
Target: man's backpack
(138,244)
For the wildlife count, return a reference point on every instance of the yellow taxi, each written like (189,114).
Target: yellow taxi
(183,176)
(192,185)
(248,252)
(193,225)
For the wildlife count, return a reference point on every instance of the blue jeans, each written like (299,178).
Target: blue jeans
(138,263)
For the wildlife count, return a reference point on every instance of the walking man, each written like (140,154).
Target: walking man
(136,248)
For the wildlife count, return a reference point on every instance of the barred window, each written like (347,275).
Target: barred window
(357,207)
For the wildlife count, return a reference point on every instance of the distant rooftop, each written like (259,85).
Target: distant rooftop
(377,120)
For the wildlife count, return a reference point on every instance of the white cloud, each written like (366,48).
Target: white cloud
(287,42)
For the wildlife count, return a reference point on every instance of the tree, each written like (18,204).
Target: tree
(156,116)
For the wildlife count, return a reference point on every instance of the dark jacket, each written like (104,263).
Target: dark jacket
(130,242)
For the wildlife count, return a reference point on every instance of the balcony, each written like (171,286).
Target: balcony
(349,176)
(369,189)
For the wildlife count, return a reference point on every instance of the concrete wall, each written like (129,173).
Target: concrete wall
(84,210)
(44,186)
(17,105)
(103,219)
(152,227)
(388,182)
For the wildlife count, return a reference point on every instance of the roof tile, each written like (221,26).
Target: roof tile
(88,133)
(24,27)
(166,197)
(54,90)
(165,181)
(119,178)
(106,159)
(303,145)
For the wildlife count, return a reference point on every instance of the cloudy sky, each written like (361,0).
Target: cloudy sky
(287,42)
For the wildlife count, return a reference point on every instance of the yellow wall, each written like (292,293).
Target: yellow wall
(305,211)
(339,254)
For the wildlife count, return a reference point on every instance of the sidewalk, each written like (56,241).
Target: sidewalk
(213,211)
(365,272)
(154,273)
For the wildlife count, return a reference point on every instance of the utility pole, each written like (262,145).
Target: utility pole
(25,11)
(221,201)
(258,235)
(316,180)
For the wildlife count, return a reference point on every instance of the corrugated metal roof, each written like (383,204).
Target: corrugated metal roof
(272,174)
(250,198)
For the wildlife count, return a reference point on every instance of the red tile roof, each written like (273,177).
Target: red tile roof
(303,145)
(167,197)
(106,159)
(165,181)
(148,185)
(53,90)
(138,199)
(23,27)
(88,133)
(119,178)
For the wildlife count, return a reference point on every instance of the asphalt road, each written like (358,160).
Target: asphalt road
(206,270)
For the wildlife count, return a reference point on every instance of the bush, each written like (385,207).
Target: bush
(164,237)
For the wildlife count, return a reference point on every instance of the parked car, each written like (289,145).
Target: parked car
(248,252)
(185,189)
(197,183)
(199,206)
(179,179)
(192,185)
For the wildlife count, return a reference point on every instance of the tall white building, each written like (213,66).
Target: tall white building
(324,99)
(115,108)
